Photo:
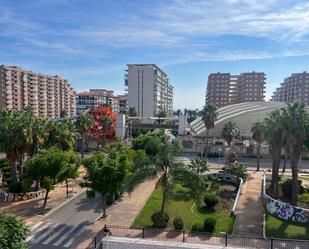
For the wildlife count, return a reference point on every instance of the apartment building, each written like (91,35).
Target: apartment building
(96,97)
(149,90)
(295,87)
(224,88)
(46,95)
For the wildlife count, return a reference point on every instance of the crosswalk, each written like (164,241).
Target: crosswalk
(55,235)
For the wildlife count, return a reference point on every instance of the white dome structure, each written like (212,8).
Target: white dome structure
(243,114)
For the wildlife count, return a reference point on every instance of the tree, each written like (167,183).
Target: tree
(15,138)
(257,135)
(60,134)
(132,112)
(273,132)
(51,166)
(209,115)
(106,175)
(296,123)
(242,139)
(82,125)
(13,232)
(229,132)
(198,165)
(39,135)
(106,124)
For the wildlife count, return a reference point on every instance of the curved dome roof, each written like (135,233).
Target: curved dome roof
(243,114)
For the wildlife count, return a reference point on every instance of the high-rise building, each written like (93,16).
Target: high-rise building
(295,87)
(85,100)
(122,103)
(224,88)
(47,96)
(149,90)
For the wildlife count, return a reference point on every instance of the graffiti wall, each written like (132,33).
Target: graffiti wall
(283,210)
(14,197)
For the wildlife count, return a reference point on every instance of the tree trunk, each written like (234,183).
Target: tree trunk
(67,187)
(13,159)
(164,194)
(285,160)
(258,157)
(276,155)
(83,145)
(103,195)
(294,166)
(45,199)
(206,143)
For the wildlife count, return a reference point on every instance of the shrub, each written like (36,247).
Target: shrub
(239,170)
(209,224)
(178,223)
(197,227)
(287,188)
(211,200)
(160,219)
(15,187)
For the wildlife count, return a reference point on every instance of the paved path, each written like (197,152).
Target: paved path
(249,209)
(122,213)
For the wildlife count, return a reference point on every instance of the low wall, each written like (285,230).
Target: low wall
(282,210)
(14,197)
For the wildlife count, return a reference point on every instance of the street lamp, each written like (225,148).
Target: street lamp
(219,150)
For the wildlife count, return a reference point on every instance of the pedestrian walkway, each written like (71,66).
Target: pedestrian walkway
(249,210)
(122,213)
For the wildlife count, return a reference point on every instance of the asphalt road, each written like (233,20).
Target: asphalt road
(62,228)
(265,163)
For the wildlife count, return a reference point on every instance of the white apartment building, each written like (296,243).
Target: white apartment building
(149,90)
(47,96)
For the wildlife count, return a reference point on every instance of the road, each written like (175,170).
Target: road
(265,163)
(62,228)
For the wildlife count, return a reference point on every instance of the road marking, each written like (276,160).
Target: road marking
(42,236)
(54,235)
(37,231)
(36,225)
(58,242)
(69,243)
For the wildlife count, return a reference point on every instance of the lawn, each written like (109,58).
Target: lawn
(183,204)
(281,229)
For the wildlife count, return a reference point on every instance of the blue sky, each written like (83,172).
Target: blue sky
(89,42)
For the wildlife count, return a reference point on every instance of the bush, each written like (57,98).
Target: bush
(15,187)
(209,225)
(197,227)
(178,223)
(286,188)
(211,200)
(239,170)
(160,219)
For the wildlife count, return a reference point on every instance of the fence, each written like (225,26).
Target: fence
(240,241)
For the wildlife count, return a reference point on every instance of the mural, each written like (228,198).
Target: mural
(14,197)
(283,210)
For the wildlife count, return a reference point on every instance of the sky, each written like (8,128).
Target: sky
(89,42)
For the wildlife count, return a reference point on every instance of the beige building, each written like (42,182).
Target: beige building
(149,90)
(224,89)
(295,87)
(47,96)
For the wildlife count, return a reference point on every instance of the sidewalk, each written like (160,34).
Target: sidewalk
(250,209)
(122,213)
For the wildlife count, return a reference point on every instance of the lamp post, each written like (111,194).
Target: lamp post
(219,150)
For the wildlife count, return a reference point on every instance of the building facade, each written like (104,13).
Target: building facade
(225,89)
(295,87)
(149,90)
(96,97)
(47,96)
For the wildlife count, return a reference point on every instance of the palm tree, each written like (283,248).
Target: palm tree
(15,138)
(296,123)
(132,112)
(257,135)
(273,133)
(82,125)
(39,135)
(209,115)
(229,132)
(61,134)
(106,124)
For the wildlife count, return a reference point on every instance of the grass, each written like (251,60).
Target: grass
(304,198)
(183,204)
(282,229)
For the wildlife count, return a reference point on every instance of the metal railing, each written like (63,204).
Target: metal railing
(225,240)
